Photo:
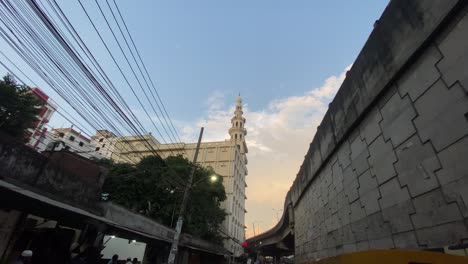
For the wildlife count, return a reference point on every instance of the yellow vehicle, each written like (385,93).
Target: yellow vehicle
(394,257)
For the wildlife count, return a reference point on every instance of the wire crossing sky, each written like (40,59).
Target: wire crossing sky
(169,67)
(64,62)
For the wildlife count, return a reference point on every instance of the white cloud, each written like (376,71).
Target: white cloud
(215,101)
(278,138)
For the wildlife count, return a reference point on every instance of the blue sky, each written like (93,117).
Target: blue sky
(263,49)
(286,58)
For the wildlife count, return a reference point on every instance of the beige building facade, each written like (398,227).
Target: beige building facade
(228,158)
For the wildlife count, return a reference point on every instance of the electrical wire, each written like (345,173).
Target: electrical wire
(33,35)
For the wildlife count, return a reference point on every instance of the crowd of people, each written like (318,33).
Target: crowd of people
(115,260)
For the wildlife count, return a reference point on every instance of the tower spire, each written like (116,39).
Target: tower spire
(237,130)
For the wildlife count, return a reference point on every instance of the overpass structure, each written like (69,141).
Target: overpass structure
(387,167)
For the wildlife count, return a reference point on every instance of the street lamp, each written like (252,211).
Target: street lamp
(214,178)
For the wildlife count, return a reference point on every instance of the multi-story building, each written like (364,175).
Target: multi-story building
(227,158)
(69,139)
(103,143)
(36,134)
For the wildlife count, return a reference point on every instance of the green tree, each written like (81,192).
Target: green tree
(18,108)
(155,187)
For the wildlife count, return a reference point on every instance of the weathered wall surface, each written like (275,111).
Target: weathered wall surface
(388,167)
(61,175)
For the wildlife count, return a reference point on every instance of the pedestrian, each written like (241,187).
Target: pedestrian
(25,258)
(249,261)
(129,261)
(114,259)
(135,261)
(259,260)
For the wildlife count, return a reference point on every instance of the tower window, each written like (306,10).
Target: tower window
(240,136)
(235,136)
(237,124)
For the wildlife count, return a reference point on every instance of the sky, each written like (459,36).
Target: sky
(286,58)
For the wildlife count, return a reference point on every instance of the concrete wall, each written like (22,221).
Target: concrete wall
(388,166)
(125,218)
(60,175)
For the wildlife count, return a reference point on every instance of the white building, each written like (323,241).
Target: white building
(228,158)
(71,140)
(103,143)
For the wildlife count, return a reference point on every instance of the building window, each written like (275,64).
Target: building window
(72,138)
(102,139)
(98,148)
(237,124)
(235,136)
(81,144)
(103,145)
(240,136)
(61,134)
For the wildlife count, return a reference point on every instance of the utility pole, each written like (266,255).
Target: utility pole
(253,225)
(180,220)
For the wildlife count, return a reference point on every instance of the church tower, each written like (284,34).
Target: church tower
(237,130)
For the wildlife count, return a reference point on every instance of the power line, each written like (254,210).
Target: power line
(17,77)
(171,134)
(146,71)
(133,71)
(33,35)
(119,68)
(75,109)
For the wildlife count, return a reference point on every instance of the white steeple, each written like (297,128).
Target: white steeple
(237,130)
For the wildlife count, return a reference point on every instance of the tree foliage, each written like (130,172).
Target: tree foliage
(18,108)
(155,187)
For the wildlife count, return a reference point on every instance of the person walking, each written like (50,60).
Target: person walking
(114,259)
(129,261)
(135,261)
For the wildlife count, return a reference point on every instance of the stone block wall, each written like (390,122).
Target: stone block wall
(396,175)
